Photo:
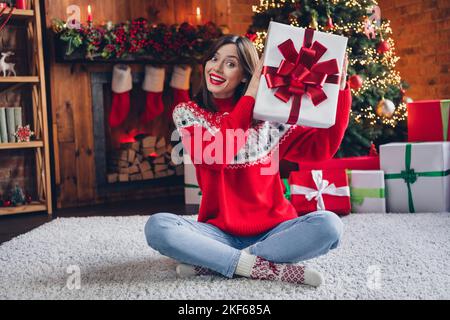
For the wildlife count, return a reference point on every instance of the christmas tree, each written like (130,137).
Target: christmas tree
(379,103)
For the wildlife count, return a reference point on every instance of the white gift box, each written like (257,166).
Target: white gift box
(417,176)
(367,191)
(191,189)
(269,107)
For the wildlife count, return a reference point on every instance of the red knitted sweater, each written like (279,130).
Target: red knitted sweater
(238,197)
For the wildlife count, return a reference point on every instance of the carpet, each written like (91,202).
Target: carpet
(382,256)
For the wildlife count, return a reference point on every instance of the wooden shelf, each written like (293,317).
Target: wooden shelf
(21,145)
(31,20)
(33,207)
(30,79)
(19,14)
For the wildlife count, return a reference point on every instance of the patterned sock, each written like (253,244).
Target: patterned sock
(186,271)
(261,269)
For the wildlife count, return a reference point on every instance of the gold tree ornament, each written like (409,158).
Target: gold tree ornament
(314,25)
(385,108)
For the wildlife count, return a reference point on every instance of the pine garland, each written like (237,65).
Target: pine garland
(135,40)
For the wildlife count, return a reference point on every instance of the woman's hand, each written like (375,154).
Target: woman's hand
(344,73)
(253,86)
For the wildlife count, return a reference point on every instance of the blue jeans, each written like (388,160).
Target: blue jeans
(205,245)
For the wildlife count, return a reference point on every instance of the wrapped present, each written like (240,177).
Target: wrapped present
(302,70)
(192,192)
(320,190)
(367,192)
(352,163)
(417,176)
(428,121)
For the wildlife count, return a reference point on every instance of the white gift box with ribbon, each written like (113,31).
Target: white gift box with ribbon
(302,91)
(367,191)
(417,176)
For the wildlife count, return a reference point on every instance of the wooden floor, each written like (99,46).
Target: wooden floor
(12,226)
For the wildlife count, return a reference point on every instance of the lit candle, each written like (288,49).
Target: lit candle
(199,16)
(21,4)
(89,14)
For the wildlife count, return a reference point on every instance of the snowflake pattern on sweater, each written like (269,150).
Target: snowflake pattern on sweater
(262,140)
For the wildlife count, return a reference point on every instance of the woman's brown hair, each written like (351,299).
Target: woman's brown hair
(248,58)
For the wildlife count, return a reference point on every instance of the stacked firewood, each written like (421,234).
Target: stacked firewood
(147,158)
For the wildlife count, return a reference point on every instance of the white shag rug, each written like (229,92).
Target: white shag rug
(382,256)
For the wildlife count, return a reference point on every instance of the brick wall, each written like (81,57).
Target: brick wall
(421,31)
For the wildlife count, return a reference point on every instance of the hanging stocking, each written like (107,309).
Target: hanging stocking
(180,84)
(122,83)
(154,86)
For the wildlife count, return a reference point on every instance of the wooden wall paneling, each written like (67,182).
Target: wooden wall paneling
(57,171)
(221,14)
(68,188)
(121,8)
(63,136)
(138,9)
(84,139)
(145,9)
(62,106)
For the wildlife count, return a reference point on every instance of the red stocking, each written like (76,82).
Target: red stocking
(120,109)
(154,86)
(180,84)
(121,86)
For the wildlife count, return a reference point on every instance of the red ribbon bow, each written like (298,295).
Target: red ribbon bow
(299,73)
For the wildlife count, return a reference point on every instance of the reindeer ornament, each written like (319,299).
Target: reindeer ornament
(7,68)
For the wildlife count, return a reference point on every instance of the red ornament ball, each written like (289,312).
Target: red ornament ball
(383,47)
(7,203)
(355,82)
(251,36)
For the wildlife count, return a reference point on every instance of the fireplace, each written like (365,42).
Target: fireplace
(133,160)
